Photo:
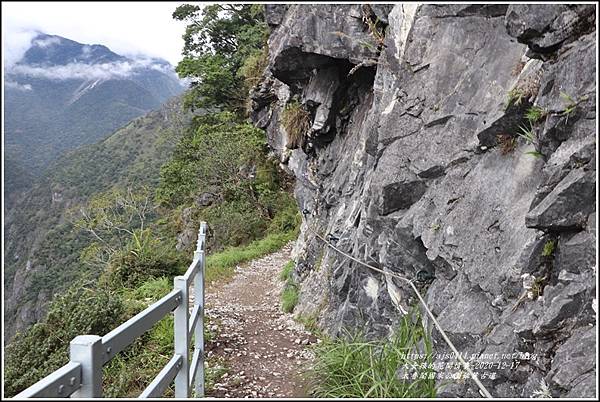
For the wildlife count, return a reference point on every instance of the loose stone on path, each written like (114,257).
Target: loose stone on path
(264,349)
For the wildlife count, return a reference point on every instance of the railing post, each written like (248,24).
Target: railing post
(182,345)
(199,301)
(87,351)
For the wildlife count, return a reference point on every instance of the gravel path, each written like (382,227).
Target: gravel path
(264,349)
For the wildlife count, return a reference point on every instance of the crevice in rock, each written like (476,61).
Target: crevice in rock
(475,10)
(400,195)
(346,98)
(357,220)
(388,141)
(439,121)
(330,113)
(508,124)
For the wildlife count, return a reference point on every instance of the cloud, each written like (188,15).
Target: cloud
(86,51)
(16,45)
(43,43)
(101,71)
(125,27)
(16,85)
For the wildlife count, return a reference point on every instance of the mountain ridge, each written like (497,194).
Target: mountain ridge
(63,94)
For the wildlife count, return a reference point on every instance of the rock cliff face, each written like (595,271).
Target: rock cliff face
(420,160)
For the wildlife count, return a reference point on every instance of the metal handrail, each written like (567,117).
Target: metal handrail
(82,376)
(166,376)
(124,335)
(60,384)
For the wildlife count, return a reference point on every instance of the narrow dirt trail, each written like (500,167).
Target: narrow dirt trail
(264,349)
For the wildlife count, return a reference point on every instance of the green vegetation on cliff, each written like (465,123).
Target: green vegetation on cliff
(223,46)
(351,366)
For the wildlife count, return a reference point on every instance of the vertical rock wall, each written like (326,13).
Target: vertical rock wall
(417,162)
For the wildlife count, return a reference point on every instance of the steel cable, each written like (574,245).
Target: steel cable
(465,365)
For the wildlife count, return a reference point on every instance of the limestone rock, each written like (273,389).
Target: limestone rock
(545,27)
(406,168)
(568,206)
(572,360)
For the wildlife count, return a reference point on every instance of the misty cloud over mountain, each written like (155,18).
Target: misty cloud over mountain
(61,94)
(57,58)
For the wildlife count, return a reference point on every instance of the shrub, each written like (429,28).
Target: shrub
(233,223)
(217,151)
(228,157)
(296,122)
(254,66)
(143,258)
(43,348)
(287,219)
(352,367)
(252,72)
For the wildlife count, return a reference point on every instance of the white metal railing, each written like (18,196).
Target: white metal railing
(82,376)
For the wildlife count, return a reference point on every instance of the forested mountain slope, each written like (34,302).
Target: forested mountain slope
(63,94)
(42,248)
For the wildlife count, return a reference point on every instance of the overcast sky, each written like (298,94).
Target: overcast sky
(127,28)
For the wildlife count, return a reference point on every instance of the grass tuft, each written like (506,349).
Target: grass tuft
(515,97)
(535,114)
(289,297)
(549,247)
(535,154)
(568,99)
(214,372)
(296,122)
(352,367)
(527,134)
(290,293)
(310,323)
(570,104)
(221,265)
(286,273)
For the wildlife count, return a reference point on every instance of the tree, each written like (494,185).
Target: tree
(112,219)
(226,158)
(218,153)
(219,39)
